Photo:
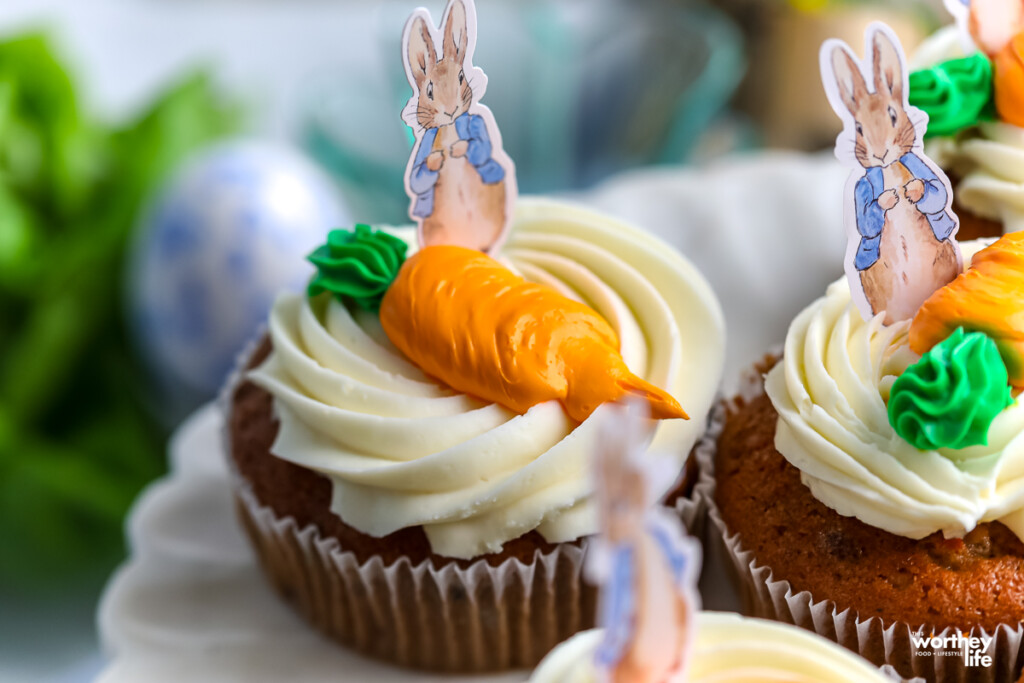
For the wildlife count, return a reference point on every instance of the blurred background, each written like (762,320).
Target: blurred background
(166,165)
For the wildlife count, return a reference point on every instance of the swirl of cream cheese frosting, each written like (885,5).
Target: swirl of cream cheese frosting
(988,158)
(830,391)
(729,649)
(402,450)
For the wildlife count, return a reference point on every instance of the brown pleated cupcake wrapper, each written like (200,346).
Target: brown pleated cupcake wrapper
(478,618)
(888,645)
(455,619)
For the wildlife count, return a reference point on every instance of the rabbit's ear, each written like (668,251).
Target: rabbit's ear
(420,51)
(455,38)
(850,80)
(888,66)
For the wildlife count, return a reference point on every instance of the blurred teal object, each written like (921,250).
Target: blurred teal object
(581,89)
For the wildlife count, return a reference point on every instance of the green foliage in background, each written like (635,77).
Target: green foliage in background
(76,442)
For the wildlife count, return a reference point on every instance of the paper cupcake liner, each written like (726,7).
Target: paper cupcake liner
(888,645)
(453,618)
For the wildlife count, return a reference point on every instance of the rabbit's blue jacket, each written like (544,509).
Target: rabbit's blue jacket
(871,216)
(618,609)
(470,127)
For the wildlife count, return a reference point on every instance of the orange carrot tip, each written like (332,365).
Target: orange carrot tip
(663,405)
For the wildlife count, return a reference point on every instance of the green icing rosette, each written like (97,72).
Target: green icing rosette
(357,265)
(950,397)
(955,94)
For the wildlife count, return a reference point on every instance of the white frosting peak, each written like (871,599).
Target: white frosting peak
(990,163)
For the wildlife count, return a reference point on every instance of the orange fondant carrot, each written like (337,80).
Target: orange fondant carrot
(1008,81)
(988,297)
(483,330)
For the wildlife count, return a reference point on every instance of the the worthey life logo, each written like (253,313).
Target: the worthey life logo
(972,648)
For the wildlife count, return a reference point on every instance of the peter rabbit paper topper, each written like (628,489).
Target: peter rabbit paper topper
(460,181)
(901,228)
(645,564)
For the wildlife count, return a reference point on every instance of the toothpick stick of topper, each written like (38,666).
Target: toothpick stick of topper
(900,226)
(645,563)
(461,183)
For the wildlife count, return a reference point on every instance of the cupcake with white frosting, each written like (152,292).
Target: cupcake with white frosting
(411,437)
(871,488)
(869,484)
(432,526)
(729,648)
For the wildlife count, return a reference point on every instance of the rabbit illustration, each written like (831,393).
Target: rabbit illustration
(459,177)
(905,248)
(648,598)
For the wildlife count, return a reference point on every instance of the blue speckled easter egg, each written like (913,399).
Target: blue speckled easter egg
(228,233)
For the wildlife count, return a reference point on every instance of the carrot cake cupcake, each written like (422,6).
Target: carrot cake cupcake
(875,495)
(871,488)
(410,437)
(429,526)
(729,649)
